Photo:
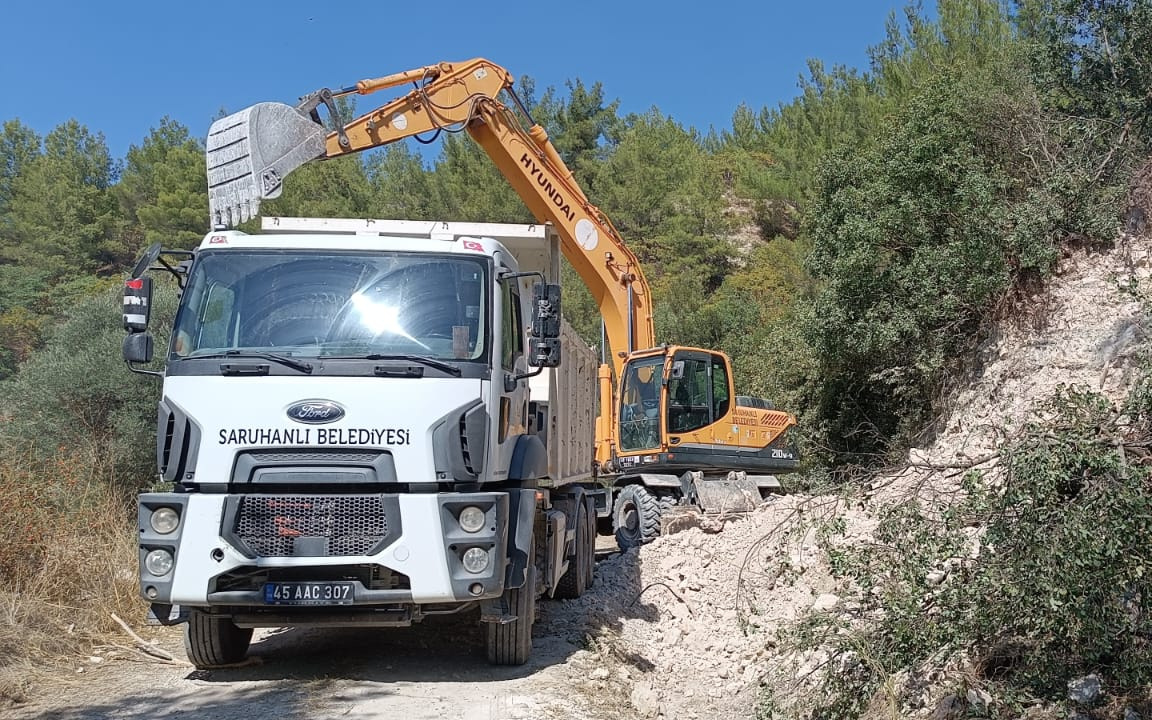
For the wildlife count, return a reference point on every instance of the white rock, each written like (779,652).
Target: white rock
(825,602)
(750,674)
(645,701)
(977,698)
(1084,690)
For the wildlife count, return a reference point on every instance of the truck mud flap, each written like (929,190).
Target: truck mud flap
(521,516)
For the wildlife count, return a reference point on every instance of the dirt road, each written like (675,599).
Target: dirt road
(435,670)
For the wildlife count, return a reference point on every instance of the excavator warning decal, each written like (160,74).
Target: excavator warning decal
(586,234)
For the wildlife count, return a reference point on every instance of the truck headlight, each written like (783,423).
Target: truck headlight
(158,562)
(476,560)
(164,520)
(472,519)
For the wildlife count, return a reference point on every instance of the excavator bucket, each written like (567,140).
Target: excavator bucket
(251,152)
(735,493)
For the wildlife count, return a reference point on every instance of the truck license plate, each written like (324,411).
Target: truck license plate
(309,593)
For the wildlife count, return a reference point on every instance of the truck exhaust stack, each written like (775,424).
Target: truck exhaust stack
(251,152)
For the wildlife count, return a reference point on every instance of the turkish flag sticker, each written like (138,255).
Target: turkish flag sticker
(473,245)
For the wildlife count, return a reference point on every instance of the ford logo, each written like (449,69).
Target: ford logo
(315,412)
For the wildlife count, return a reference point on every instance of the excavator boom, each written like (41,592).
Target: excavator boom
(251,152)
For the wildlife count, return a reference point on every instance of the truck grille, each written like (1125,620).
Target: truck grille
(365,457)
(311,525)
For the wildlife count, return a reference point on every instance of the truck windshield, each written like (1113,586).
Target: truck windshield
(306,304)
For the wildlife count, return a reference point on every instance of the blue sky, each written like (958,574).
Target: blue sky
(120,66)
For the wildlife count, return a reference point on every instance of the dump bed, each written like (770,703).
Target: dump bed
(565,397)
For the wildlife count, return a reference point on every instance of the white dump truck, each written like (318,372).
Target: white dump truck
(365,422)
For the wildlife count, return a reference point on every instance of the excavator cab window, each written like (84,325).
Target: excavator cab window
(689,396)
(698,392)
(721,396)
(640,405)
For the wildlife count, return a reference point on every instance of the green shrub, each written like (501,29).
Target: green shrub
(76,395)
(1039,574)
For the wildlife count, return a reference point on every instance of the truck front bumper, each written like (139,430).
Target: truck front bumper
(394,548)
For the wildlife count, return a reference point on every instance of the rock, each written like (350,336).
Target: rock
(977,698)
(949,707)
(672,636)
(680,611)
(645,701)
(935,577)
(1130,714)
(600,674)
(825,602)
(1084,690)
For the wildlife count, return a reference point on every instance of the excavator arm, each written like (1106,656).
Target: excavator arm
(250,153)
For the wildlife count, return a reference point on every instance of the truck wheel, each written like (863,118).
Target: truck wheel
(575,579)
(511,643)
(590,568)
(636,517)
(212,641)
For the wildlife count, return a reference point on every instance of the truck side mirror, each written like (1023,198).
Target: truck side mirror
(137,348)
(545,312)
(544,352)
(137,304)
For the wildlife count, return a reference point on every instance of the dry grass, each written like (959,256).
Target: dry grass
(67,559)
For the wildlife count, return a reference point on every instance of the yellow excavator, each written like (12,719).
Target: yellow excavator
(670,423)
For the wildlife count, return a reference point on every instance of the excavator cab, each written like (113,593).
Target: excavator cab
(678,412)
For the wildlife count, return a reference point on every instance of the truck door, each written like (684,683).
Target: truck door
(511,415)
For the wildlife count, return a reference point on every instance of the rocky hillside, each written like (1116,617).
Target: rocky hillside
(704,622)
